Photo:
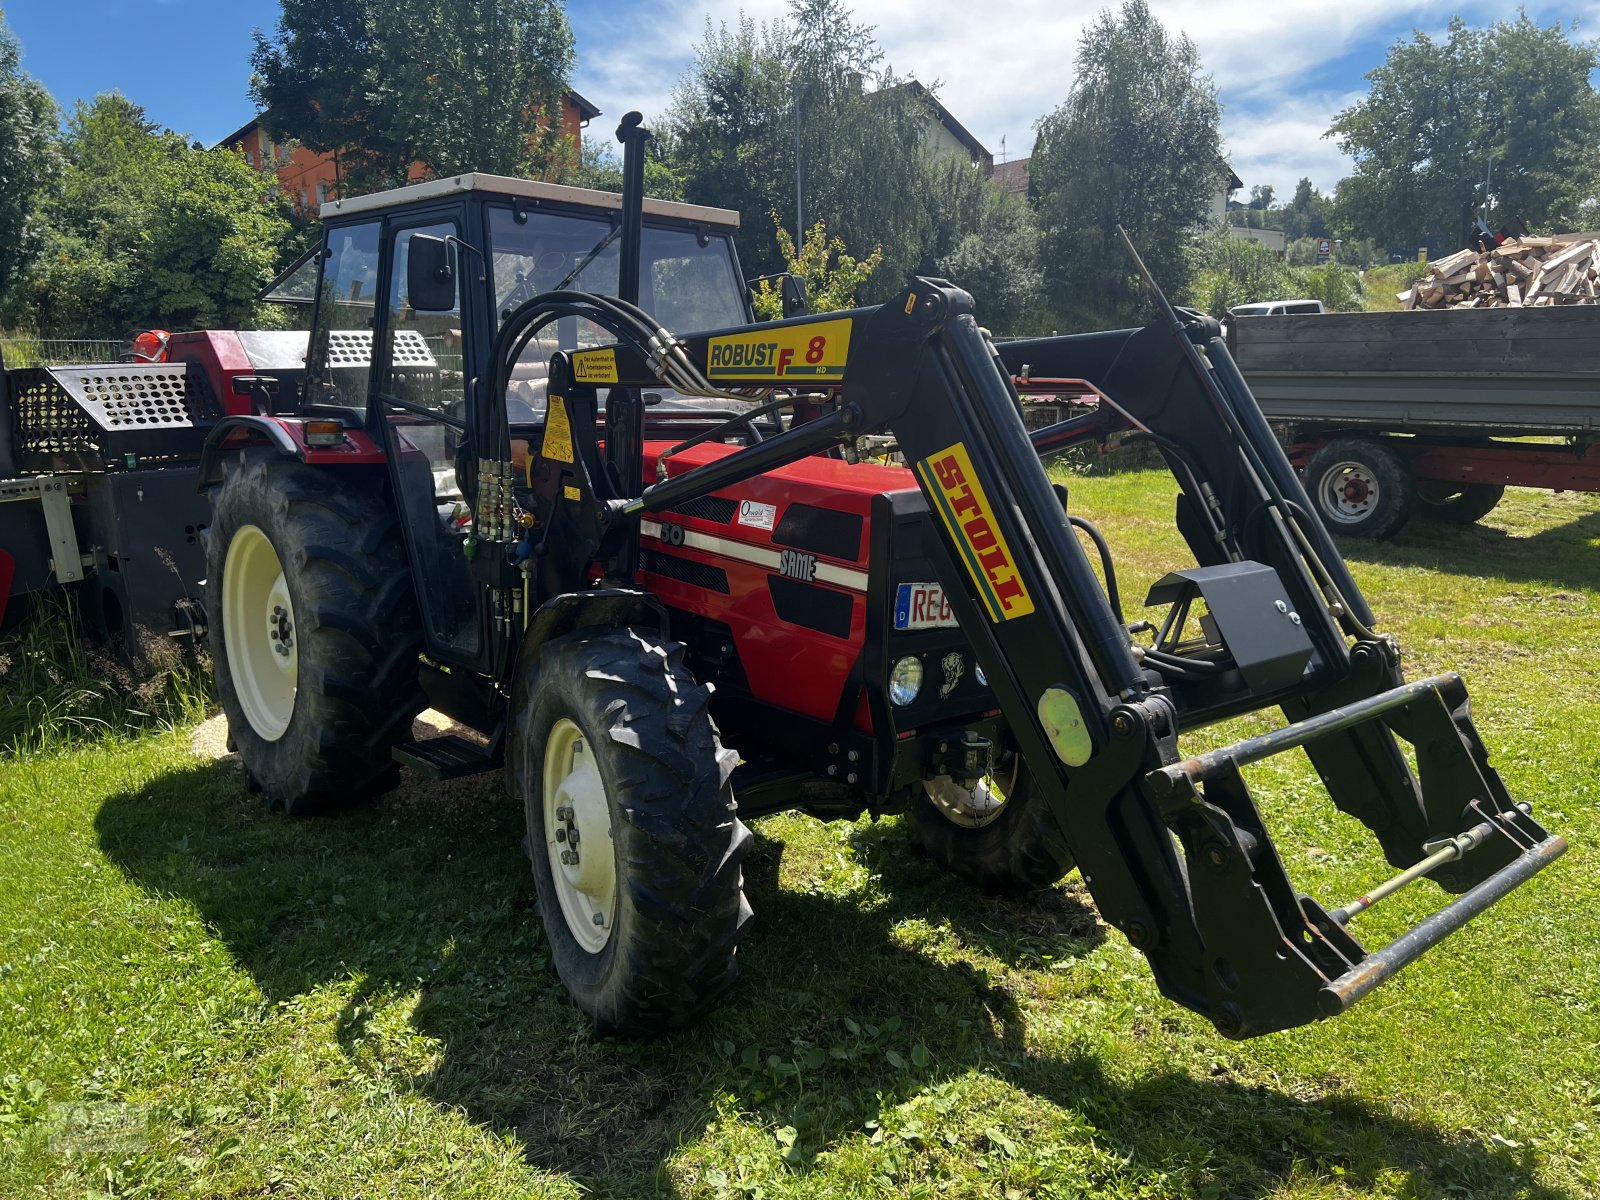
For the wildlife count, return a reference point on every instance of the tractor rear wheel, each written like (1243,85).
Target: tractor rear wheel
(635,841)
(1000,835)
(314,630)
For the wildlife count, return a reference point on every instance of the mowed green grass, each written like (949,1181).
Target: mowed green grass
(361,1006)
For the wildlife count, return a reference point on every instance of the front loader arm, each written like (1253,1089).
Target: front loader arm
(1172,848)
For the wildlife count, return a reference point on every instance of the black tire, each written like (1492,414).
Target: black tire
(1361,487)
(1468,503)
(355,632)
(1019,850)
(677,906)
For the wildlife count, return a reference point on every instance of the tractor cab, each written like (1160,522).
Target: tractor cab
(411,370)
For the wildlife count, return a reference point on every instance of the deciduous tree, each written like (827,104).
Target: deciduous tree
(1135,144)
(146,229)
(1504,116)
(454,84)
(27,161)
(809,94)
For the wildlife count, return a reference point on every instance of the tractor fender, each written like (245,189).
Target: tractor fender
(286,435)
(605,608)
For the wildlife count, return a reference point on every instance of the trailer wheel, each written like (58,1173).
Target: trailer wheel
(632,829)
(1361,487)
(1001,836)
(1459,504)
(315,630)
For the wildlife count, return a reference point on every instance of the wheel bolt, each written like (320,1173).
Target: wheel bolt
(561,835)
(282,648)
(563,813)
(572,837)
(569,858)
(599,918)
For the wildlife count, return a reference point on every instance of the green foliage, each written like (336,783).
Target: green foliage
(832,275)
(1383,284)
(596,164)
(1230,271)
(985,239)
(145,229)
(1514,99)
(27,163)
(57,691)
(862,163)
(1135,144)
(458,85)
(362,1006)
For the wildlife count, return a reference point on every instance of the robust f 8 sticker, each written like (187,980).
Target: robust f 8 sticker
(813,350)
(959,500)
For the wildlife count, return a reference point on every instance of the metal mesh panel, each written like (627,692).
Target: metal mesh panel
(96,417)
(353,348)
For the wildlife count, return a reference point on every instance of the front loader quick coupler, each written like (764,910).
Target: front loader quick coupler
(1273,958)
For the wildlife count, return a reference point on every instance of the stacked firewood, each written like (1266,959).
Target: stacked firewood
(1530,272)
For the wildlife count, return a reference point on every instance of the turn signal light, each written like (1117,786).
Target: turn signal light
(323,433)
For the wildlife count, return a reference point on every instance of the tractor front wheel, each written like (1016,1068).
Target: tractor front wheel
(999,835)
(634,838)
(314,630)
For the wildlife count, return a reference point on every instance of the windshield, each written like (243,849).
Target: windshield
(683,284)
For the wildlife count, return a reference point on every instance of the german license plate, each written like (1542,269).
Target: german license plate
(922,606)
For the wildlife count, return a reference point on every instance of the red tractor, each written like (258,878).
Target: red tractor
(647,569)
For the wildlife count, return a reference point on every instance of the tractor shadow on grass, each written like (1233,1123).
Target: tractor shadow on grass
(846,1010)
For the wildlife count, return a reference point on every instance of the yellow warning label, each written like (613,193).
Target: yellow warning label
(958,498)
(814,350)
(557,431)
(595,366)
(571,493)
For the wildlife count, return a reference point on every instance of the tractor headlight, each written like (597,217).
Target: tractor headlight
(905,681)
(983,680)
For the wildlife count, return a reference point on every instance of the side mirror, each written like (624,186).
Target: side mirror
(793,290)
(430,279)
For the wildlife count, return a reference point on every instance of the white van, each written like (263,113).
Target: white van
(1277,308)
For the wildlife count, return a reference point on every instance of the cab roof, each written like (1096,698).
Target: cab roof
(528,189)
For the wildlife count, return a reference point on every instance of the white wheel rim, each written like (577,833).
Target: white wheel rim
(577,832)
(974,807)
(259,632)
(1349,492)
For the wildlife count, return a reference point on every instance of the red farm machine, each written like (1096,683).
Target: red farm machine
(499,478)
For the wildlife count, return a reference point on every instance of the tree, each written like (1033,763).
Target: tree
(598,166)
(1503,117)
(1135,144)
(809,94)
(454,84)
(832,274)
(986,240)
(27,161)
(146,229)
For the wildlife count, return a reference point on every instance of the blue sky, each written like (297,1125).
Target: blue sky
(1283,69)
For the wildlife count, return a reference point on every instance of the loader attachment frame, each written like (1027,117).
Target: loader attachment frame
(1173,849)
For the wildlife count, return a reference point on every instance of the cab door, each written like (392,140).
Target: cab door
(421,385)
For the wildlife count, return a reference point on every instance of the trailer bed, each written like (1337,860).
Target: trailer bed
(1508,372)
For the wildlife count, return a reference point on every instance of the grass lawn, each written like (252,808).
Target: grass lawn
(362,1005)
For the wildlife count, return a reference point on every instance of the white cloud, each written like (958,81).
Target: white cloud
(1003,66)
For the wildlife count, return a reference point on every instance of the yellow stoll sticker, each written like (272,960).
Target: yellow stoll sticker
(959,500)
(595,366)
(814,350)
(557,431)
